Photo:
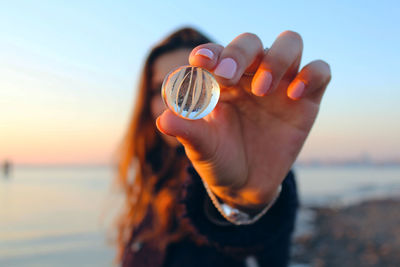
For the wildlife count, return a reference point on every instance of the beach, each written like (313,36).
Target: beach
(363,234)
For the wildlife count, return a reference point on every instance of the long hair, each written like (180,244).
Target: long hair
(150,171)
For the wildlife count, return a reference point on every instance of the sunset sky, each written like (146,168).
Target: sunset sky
(68,70)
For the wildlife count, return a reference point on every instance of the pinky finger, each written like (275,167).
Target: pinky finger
(310,82)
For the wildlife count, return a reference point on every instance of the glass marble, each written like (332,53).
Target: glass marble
(190,92)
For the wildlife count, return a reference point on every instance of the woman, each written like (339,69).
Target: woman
(240,155)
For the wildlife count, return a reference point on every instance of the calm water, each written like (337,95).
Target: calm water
(56,216)
(346,185)
(60,216)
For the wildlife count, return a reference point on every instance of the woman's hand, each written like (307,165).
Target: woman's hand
(245,147)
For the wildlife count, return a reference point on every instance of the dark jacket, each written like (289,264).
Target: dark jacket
(267,241)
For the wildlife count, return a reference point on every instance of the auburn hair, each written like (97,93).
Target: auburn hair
(149,170)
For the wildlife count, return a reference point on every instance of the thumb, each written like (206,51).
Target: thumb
(197,136)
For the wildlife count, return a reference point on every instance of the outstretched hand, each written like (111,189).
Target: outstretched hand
(245,147)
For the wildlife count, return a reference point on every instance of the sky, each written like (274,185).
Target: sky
(69,69)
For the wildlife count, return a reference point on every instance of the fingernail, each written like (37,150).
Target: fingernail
(226,68)
(262,83)
(205,53)
(296,90)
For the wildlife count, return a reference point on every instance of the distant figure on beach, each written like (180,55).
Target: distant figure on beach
(218,191)
(6,168)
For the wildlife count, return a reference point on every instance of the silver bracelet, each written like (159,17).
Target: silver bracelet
(234,215)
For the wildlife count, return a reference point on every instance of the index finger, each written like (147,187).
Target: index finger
(229,63)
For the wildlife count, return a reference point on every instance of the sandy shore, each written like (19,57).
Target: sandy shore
(365,234)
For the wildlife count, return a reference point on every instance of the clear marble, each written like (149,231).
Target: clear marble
(190,92)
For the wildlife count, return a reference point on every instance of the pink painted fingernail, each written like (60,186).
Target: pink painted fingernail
(296,90)
(226,68)
(205,53)
(262,83)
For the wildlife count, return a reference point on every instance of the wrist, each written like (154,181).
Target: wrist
(236,216)
(248,202)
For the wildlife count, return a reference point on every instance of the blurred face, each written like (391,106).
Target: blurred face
(162,66)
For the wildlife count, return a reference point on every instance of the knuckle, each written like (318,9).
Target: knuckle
(239,53)
(322,70)
(293,35)
(249,35)
(282,62)
(252,39)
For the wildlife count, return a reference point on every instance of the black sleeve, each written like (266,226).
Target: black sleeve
(268,238)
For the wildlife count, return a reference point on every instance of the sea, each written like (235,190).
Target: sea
(64,215)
